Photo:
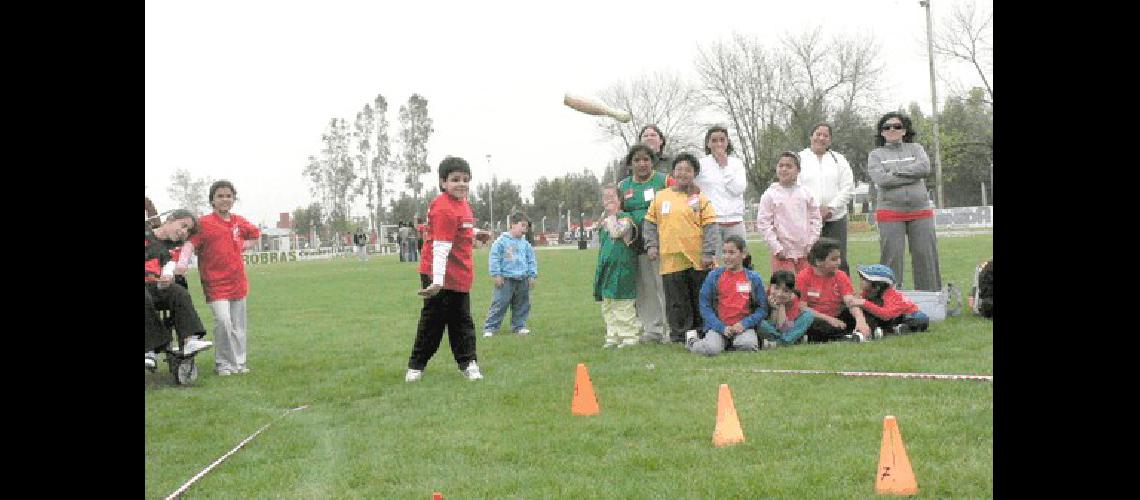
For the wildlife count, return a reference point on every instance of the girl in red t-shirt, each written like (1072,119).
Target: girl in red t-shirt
(786,322)
(219,243)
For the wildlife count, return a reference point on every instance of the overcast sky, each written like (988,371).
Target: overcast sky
(243,89)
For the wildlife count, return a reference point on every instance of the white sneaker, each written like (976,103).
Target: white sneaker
(194,344)
(222,372)
(690,336)
(766,344)
(609,345)
(413,375)
(523,331)
(877,334)
(803,339)
(488,333)
(857,337)
(472,372)
(243,369)
(150,363)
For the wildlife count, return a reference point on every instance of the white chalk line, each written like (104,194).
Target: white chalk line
(928,376)
(184,487)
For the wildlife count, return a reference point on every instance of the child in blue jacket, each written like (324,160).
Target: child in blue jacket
(733,304)
(514,269)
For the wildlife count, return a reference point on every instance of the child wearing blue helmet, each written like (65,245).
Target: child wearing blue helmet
(888,309)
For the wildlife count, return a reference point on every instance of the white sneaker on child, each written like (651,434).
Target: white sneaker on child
(523,331)
(194,344)
(488,333)
(472,371)
(413,375)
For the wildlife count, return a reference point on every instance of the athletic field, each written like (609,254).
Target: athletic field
(335,335)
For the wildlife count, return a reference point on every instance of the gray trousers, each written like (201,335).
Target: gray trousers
(923,252)
(837,230)
(229,334)
(724,232)
(650,302)
(714,342)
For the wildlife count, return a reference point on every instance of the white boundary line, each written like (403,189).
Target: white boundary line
(931,376)
(182,489)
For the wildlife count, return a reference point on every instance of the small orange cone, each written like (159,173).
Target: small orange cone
(437,496)
(895,476)
(728,429)
(585,402)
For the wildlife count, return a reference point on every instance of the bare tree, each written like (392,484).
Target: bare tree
(662,98)
(415,130)
(189,193)
(772,97)
(967,35)
(743,81)
(372,158)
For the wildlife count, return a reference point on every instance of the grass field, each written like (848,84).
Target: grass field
(336,335)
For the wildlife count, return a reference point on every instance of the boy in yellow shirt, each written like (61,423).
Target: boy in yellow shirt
(680,229)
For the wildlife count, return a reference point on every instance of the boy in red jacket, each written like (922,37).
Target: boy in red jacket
(446,272)
(889,310)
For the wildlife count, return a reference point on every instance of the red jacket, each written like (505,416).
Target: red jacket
(219,245)
(894,305)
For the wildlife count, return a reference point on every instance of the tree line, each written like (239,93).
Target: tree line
(768,95)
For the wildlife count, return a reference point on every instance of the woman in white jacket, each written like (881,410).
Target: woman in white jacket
(827,175)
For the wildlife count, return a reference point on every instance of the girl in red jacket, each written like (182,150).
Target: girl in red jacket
(887,309)
(222,235)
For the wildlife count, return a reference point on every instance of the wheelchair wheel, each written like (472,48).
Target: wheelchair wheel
(184,370)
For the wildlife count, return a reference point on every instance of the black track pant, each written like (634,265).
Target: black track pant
(450,309)
(176,299)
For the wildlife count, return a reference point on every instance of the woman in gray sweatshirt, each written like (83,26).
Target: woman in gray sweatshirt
(898,167)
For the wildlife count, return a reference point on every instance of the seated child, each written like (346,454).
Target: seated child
(732,305)
(787,322)
(889,310)
(825,289)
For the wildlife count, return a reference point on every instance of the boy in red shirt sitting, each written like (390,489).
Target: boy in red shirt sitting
(825,290)
(889,309)
(446,272)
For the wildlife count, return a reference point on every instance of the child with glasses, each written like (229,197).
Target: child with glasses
(788,217)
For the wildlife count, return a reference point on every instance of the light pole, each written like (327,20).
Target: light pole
(491,196)
(933,103)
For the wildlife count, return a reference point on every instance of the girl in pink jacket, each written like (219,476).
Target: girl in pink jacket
(788,217)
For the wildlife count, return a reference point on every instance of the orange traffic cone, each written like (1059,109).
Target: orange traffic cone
(728,429)
(584,403)
(437,496)
(895,476)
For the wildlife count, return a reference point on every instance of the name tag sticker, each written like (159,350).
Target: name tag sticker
(648,194)
(467,225)
(744,287)
(665,207)
(813,294)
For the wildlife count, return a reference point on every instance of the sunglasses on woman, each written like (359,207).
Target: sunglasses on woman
(895,126)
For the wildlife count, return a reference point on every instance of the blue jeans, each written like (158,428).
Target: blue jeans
(515,292)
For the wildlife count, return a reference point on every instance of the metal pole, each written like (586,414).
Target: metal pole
(933,103)
(491,194)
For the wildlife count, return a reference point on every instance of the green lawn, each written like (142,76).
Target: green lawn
(336,335)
